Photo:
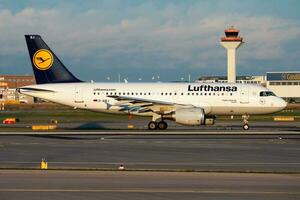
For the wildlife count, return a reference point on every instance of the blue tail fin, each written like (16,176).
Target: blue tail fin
(46,66)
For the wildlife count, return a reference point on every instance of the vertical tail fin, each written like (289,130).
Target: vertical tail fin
(46,66)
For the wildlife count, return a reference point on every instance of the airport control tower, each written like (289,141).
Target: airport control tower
(231,42)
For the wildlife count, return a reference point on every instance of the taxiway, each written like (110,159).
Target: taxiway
(197,152)
(74,185)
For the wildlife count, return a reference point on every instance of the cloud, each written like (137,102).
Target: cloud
(171,37)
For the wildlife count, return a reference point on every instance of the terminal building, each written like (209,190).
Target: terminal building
(8,85)
(285,85)
(261,80)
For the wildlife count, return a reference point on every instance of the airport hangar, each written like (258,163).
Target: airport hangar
(8,85)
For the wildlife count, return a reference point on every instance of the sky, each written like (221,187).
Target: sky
(158,40)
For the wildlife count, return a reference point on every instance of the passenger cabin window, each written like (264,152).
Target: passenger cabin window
(266,93)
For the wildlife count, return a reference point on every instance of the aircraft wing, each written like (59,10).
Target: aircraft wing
(141,105)
(138,100)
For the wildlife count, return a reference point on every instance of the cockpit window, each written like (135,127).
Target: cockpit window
(266,93)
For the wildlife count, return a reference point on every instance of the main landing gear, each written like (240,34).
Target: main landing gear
(161,125)
(157,123)
(245,118)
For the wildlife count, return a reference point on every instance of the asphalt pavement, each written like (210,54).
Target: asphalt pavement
(194,152)
(34,185)
(141,125)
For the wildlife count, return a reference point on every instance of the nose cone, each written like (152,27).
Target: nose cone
(281,104)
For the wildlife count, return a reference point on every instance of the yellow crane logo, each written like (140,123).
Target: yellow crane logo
(43,59)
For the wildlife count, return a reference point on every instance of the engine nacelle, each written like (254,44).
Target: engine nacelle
(192,116)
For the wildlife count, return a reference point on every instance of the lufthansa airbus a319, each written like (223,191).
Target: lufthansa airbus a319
(185,103)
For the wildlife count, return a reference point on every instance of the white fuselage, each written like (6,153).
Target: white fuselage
(243,98)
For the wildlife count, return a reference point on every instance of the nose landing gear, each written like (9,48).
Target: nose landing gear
(246,127)
(245,118)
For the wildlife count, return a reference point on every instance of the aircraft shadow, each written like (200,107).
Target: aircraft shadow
(90,126)
(62,137)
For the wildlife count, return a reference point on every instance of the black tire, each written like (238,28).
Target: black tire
(162,125)
(246,127)
(152,125)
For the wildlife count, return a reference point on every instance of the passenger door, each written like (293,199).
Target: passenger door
(79,94)
(244,94)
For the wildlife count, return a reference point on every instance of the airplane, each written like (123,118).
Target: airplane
(185,103)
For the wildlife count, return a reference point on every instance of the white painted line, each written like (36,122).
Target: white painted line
(159,163)
(146,190)
(153,133)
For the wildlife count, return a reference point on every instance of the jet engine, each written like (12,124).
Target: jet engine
(192,116)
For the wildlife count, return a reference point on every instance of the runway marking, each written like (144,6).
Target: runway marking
(155,163)
(153,141)
(177,132)
(142,190)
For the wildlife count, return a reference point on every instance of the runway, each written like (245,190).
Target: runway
(173,165)
(194,152)
(144,185)
(141,126)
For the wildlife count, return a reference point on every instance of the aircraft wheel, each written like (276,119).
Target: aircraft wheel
(162,125)
(152,125)
(246,127)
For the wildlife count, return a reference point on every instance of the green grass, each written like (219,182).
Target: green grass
(268,117)
(60,115)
